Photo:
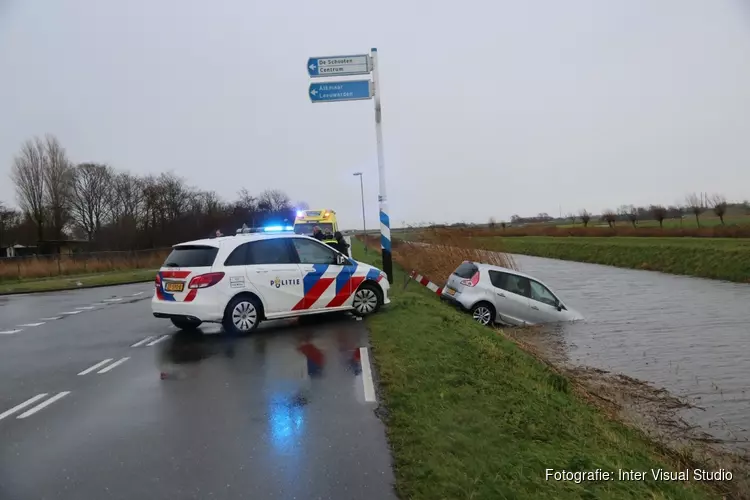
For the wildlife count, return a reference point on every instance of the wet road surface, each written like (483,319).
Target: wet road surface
(688,335)
(113,403)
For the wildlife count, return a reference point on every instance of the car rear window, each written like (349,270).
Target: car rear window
(466,270)
(191,256)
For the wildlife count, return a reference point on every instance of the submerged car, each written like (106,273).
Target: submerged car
(495,294)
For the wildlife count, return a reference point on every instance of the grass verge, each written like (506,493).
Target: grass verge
(471,415)
(725,259)
(72,282)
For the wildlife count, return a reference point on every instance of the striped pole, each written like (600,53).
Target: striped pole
(425,281)
(385,223)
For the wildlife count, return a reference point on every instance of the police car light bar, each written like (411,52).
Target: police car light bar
(274,229)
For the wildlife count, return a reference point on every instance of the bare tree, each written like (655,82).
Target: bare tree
(246,200)
(89,197)
(571,217)
(630,212)
(492,223)
(659,213)
(8,218)
(694,204)
(28,175)
(274,200)
(719,204)
(57,182)
(610,217)
(585,217)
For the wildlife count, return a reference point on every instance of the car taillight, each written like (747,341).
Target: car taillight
(157,281)
(205,280)
(473,281)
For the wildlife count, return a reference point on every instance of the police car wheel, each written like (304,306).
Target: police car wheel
(367,300)
(185,323)
(242,315)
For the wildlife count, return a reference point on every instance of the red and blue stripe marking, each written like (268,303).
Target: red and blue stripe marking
(162,294)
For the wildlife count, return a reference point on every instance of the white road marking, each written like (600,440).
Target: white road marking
(9,332)
(113,365)
(364,358)
(98,365)
(85,308)
(53,318)
(69,313)
(117,299)
(98,304)
(23,405)
(154,342)
(141,342)
(136,294)
(42,406)
(32,324)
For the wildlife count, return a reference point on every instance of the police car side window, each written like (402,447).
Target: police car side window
(238,257)
(311,252)
(271,251)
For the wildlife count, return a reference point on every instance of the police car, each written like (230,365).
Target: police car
(241,280)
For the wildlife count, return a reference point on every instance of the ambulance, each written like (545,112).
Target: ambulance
(306,220)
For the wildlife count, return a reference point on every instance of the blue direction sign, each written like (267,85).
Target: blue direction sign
(339,65)
(351,90)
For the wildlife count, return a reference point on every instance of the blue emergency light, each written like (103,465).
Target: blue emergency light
(272,229)
(300,213)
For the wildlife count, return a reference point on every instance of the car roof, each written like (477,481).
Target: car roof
(504,270)
(238,239)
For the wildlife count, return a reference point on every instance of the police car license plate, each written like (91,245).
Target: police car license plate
(451,291)
(174,286)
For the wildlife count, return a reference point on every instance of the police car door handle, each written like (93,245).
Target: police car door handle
(261,271)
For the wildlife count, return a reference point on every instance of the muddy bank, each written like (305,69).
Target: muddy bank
(652,410)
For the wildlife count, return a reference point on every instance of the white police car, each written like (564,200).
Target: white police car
(240,280)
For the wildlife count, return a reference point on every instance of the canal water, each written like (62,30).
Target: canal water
(688,335)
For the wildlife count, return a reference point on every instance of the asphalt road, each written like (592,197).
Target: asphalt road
(111,403)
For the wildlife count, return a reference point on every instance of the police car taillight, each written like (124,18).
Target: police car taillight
(157,281)
(205,280)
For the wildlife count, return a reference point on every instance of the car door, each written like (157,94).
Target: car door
(511,297)
(544,304)
(325,281)
(272,268)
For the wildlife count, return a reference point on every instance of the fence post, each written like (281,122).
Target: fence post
(59,270)
(18,268)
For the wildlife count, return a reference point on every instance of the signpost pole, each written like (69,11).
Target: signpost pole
(364,222)
(385,223)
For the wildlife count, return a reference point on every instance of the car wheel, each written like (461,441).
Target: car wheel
(483,313)
(186,324)
(242,315)
(367,300)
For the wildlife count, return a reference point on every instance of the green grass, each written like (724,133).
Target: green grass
(470,415)
(717,258)
(71,282)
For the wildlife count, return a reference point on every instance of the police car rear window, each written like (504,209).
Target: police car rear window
(191,256)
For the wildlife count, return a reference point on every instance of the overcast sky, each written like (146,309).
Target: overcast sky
(490,108)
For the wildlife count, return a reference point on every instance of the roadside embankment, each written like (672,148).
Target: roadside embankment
(472,415)
(725,259)
(76,282)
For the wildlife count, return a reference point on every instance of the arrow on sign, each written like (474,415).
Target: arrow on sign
(312,67)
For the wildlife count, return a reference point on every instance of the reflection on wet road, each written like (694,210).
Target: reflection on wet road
(689,335)
(121,405)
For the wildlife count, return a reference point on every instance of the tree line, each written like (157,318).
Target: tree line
(112,209)
(695,205)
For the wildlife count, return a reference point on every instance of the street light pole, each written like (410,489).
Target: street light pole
(362,191)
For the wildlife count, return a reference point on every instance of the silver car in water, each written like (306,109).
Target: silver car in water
(495,294)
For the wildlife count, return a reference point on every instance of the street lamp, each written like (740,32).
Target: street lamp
(362,191)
